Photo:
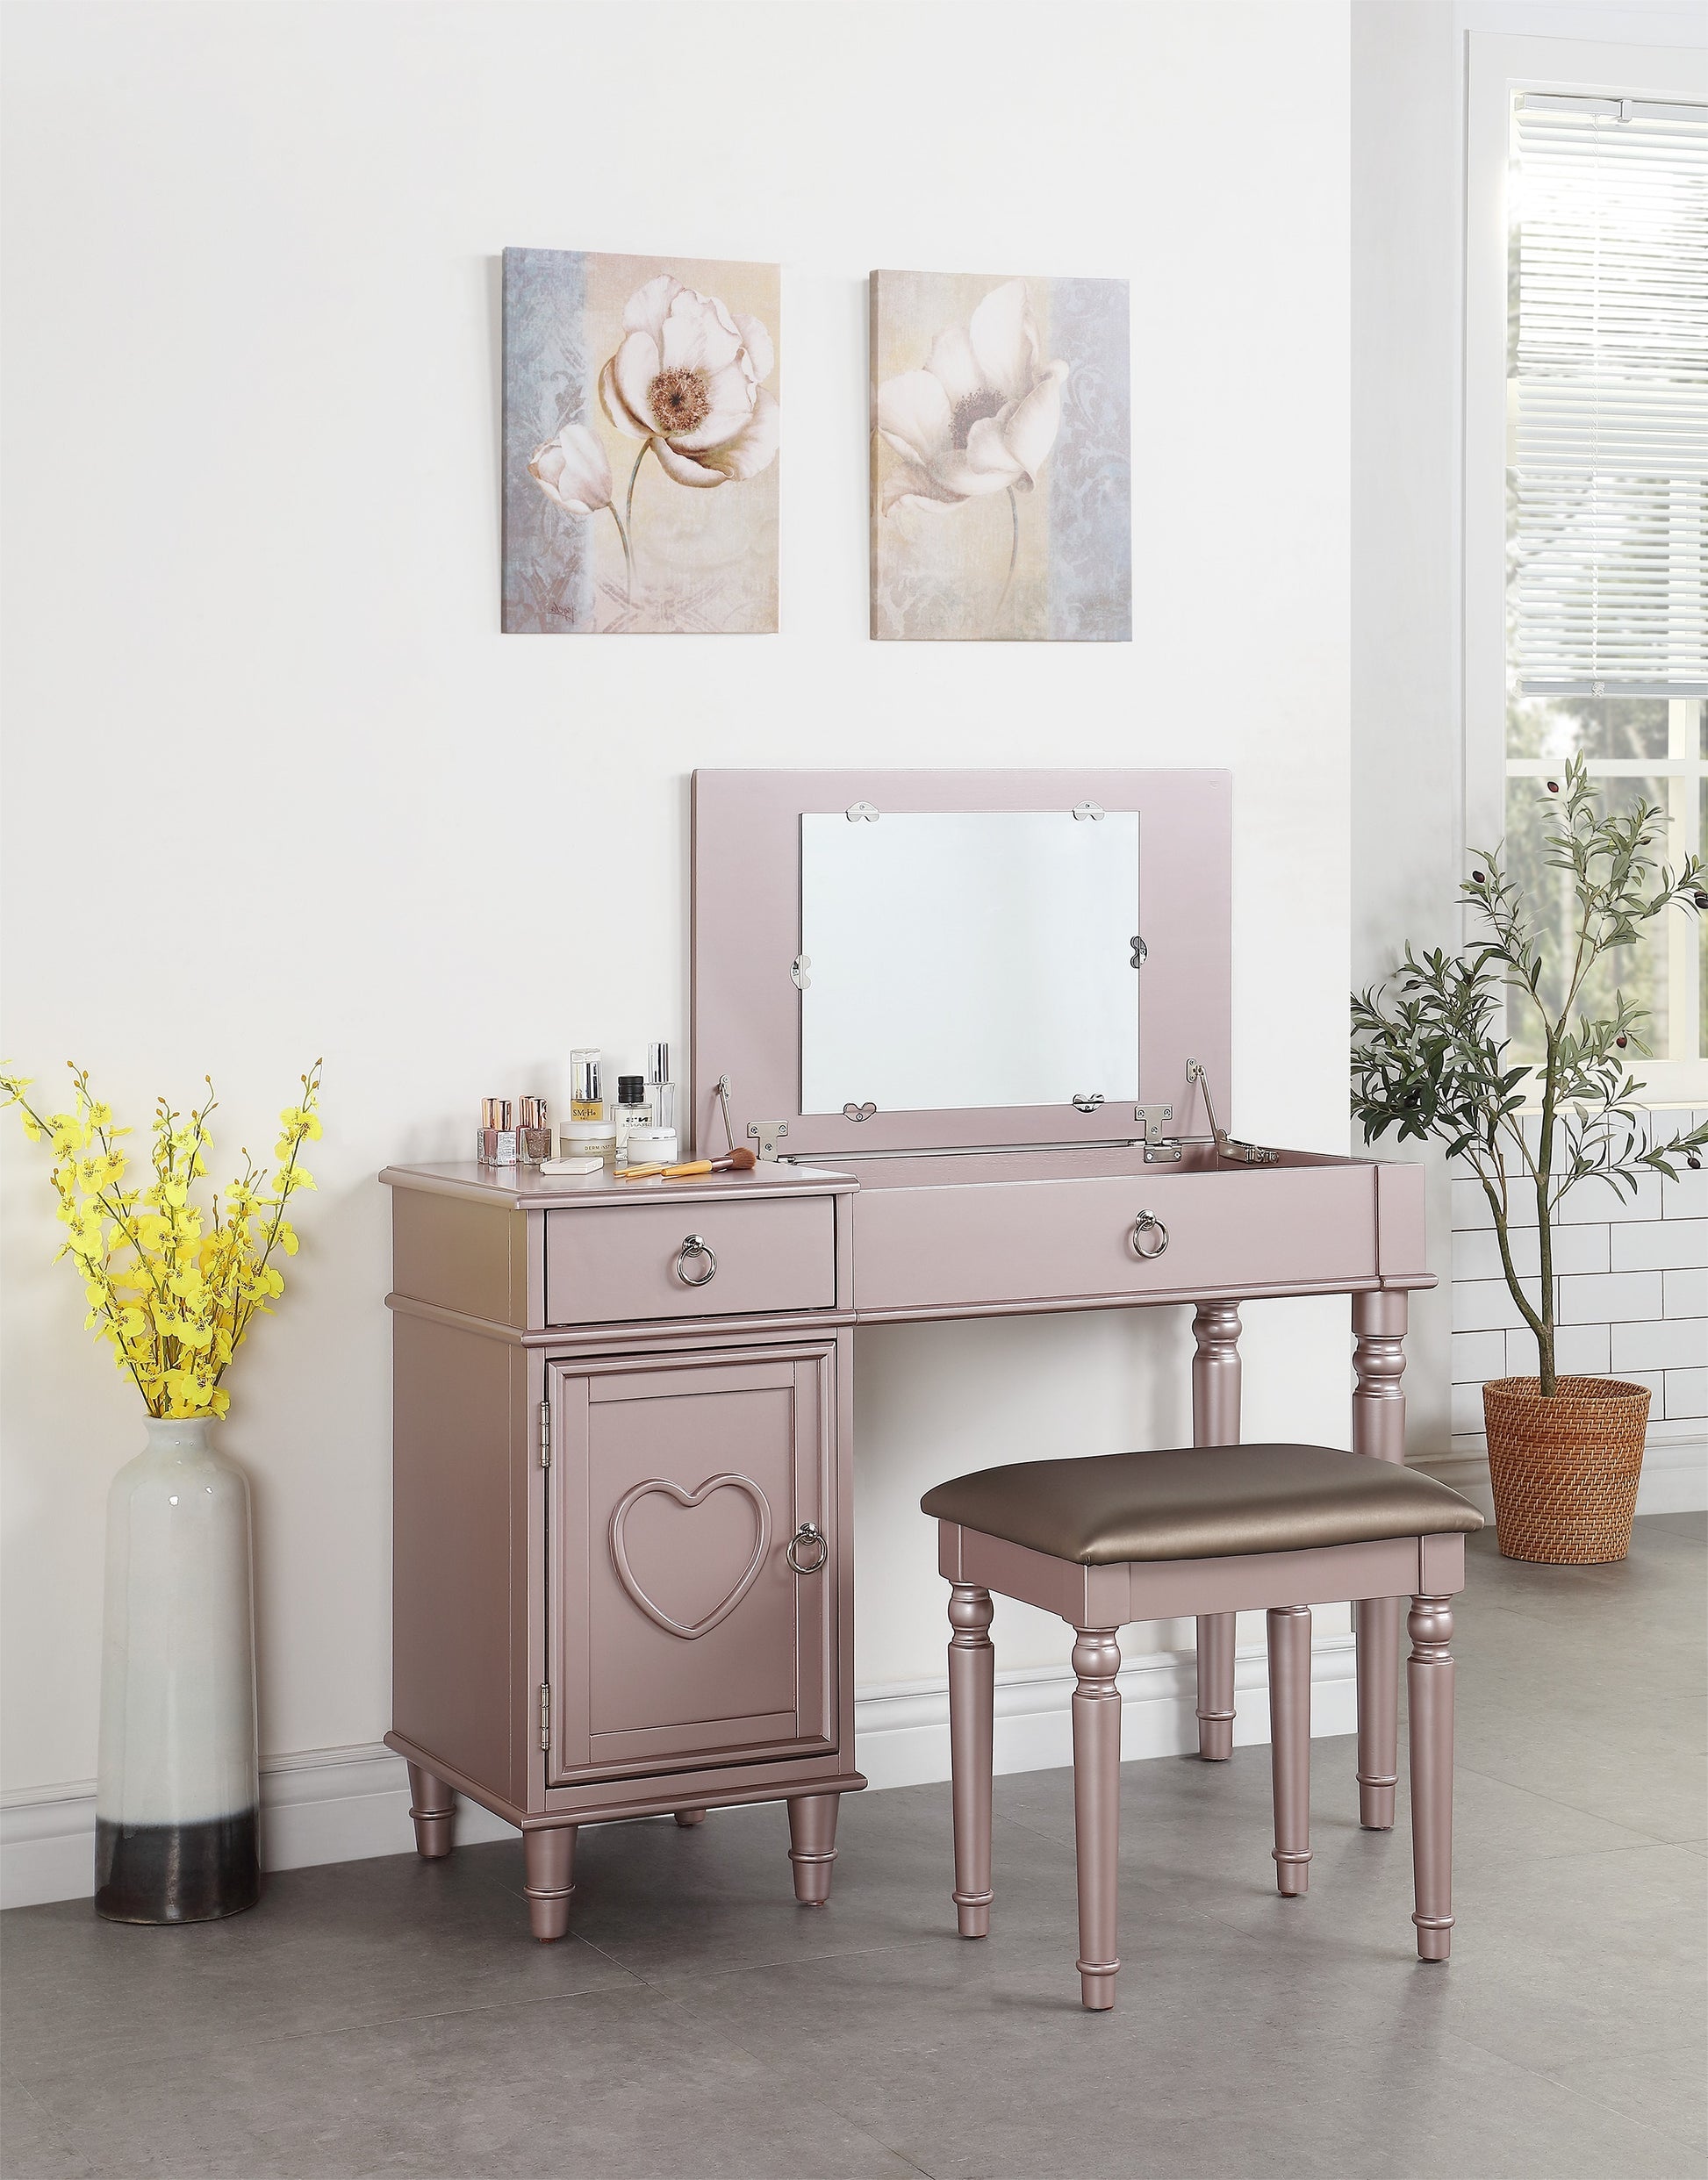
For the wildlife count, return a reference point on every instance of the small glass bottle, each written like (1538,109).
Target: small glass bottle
(587,1095)
(496,1145)
(661,1091)
(533,1132)
(633,1111)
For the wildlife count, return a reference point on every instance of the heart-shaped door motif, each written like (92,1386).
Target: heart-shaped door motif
(728,1481)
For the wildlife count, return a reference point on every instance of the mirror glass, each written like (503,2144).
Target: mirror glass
(975,959)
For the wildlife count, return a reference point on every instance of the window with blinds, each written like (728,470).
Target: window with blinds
(1607,398)
(1607,507)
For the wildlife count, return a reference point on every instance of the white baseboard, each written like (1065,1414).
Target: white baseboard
(903,1730)
(1674,1479)
(344,1805)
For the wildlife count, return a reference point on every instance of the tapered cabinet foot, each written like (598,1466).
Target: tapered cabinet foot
(1097,1810)
(432,1810)
(549,1868)
(1428,1677)
(971,1724)
(813,1844)
(689,1817)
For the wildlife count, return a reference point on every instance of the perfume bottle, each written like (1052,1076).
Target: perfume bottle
(661,1091)
(633,1111)
(532,1133)
(496,1145)
(587,1096)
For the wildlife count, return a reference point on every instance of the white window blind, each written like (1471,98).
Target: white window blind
(1607,399)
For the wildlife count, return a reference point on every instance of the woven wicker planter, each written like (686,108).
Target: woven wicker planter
(1564,1471)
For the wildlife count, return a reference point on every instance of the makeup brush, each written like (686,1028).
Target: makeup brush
(731,1162)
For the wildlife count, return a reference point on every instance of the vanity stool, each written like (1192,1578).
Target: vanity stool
(1124,1536)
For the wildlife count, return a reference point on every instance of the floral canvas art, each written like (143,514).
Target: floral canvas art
(641,419)
(1001,459)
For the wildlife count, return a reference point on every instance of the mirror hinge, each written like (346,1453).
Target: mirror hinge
(766,1133)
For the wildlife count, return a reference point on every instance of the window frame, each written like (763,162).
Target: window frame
(1498,68)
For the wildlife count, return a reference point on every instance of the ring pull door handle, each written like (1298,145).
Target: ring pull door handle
(693,1246)
(1144,1227)
(812,1538)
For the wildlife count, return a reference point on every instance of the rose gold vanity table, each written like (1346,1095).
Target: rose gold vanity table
(978,1028)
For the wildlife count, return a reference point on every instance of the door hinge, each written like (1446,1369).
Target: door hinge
(545,1714)
(545,1434)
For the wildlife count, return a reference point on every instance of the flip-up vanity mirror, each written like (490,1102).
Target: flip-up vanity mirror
(972,1024)
(931,961)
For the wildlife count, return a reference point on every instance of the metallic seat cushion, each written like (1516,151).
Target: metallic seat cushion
(1200,1503)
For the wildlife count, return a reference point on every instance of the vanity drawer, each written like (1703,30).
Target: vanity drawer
(618,1263)
(930,1250)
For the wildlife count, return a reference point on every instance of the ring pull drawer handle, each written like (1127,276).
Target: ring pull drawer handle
(1143,1228)
(812,1538)
(693,1246)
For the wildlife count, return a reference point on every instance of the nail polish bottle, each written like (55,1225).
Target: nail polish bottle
(532,1133)
(496,1145)
(587,1095)
(661,1091)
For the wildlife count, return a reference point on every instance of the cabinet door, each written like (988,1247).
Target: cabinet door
(677,1628)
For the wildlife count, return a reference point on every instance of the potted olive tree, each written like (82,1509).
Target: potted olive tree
(1565,1453)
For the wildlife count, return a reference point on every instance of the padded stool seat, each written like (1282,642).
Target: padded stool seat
(1198,1530)
(1199,1503)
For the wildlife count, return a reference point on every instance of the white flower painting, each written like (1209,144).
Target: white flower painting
(1001,496)
(609,360)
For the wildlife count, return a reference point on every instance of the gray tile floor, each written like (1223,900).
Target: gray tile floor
(394,2017)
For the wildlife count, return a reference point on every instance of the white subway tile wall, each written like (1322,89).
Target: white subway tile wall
(1632,1281)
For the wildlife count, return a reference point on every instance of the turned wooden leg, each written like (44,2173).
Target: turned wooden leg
(1097,1808)
(1379,1323)
(1216,1422)
(971,1703)
(1429,1711)
(813,1844)
(1289,1628)
(549,1867)
(688,1817)
(1376,1627)
(431,1807)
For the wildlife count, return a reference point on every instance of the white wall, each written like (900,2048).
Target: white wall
(278,787)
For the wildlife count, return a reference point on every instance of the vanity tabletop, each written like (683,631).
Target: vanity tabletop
(1088,1162)
(524,1188)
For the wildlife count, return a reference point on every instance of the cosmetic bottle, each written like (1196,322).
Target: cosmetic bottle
(661,1091)
(532,1133)
(633,1111)
(587,1095)
(581,1139)
(497,1143)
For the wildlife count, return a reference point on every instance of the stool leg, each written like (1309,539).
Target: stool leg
(431,1807)
(1097,1808)
(1215,1631)
(1379,1324)
(1376,1627)
(972,1701)
(1428,1707)
(547,1879)
(1289,1628)
(1215,1375)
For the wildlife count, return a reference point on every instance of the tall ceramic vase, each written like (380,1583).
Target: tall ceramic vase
(177,1802)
